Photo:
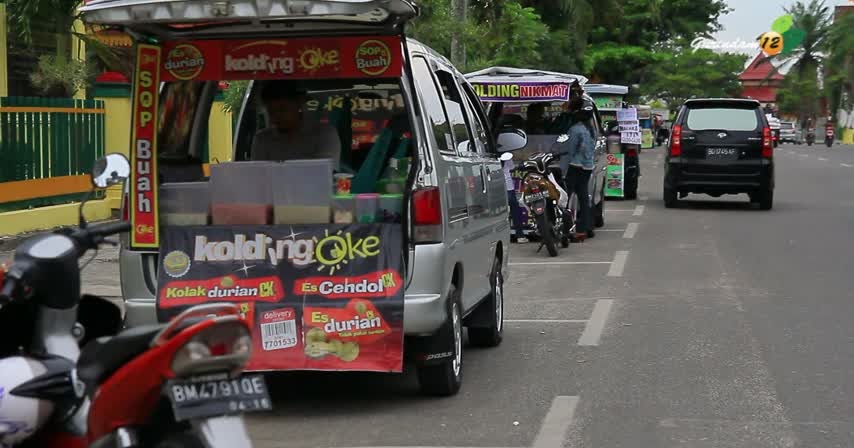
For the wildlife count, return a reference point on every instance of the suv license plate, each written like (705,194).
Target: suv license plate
(721,154)
(216,395)
(534,197)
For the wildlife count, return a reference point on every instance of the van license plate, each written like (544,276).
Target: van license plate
(721,154)
(216,395)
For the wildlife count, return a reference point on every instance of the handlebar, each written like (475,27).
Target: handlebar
(85,238)
(92,236)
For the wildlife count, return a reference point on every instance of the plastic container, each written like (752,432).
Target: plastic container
(391,207)
(343,209)
(302,191)
(367,206)
(241,193)
(184,203)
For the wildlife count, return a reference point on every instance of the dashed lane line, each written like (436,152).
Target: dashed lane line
(631,230)
(619,263)
(593,330)
(639,210)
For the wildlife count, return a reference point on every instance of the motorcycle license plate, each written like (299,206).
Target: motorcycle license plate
(534,197)
(216,395)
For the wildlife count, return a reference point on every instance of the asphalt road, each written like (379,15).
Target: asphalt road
(710,325)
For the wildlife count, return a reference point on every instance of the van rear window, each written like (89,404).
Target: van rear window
(730,119)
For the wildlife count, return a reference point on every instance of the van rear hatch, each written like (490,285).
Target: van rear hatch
(722,136)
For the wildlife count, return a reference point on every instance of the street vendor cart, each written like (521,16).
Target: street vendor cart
(344,179)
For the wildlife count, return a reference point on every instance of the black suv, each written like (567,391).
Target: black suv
(720,146)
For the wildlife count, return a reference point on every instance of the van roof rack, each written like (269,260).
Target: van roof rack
(183,17)
(499,74)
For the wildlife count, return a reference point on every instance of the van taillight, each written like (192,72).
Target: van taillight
(767,148)
(676,141)
(427,206)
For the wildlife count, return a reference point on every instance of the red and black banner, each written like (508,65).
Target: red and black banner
(318,297)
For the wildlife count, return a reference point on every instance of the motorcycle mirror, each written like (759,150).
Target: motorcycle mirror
(506,156)
(112,169)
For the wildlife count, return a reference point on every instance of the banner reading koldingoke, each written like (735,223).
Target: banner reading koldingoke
(318,297)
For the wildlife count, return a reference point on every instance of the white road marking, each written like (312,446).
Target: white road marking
(557,422)
(545,321)
(639,210)
(631,230)
(822,159)
(556,263)
(618,264)
(593,330)
(846,165)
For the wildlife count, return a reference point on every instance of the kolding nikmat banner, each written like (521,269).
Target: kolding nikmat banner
(317,297)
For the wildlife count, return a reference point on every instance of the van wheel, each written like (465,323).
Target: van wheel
(670,198)
(491,335)
(766,200)
(445,379)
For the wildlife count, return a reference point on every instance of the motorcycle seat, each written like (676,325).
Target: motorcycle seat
(101,357)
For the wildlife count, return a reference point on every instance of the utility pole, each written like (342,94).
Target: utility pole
(458,47)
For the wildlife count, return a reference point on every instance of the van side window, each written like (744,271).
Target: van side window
(430,97)
(454,107)
(478,122)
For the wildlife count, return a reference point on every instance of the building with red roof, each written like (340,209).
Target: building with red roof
(761,80)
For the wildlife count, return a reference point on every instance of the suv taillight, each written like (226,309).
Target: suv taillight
(767,148)
(427,206)
(676,141)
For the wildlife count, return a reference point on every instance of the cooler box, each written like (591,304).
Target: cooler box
(302,191)
(241,193)
(184,203)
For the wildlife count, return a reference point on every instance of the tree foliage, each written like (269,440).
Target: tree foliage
(679,75)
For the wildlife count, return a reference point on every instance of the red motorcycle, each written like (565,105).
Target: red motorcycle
(173,385)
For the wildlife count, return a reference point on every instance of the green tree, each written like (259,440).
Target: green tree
(801,93)
(840,63)
(683,74)
(58,73)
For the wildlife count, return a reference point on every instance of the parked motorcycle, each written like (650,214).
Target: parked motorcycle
(172,385)
(547,200)
(829,136)
(810,136)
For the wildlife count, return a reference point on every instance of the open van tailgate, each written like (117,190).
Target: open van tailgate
(185,19)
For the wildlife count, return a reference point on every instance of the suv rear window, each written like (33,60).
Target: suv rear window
(731,119)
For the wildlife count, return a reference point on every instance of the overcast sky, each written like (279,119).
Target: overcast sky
(751,18)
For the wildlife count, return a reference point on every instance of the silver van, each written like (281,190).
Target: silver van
(455,216)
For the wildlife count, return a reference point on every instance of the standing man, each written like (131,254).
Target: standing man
(577,163)
(513,200)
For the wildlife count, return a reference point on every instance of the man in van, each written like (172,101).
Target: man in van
(577,163)
(290,136)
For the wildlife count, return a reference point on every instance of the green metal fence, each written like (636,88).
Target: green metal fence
(48,137)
